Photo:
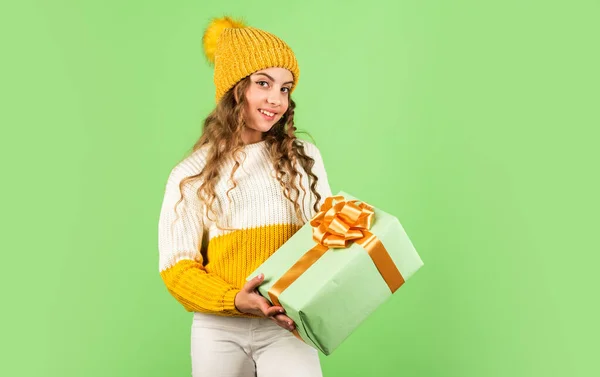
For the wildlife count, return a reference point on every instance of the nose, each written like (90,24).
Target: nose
(273,98)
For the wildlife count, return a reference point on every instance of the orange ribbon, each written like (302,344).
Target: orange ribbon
(339,223)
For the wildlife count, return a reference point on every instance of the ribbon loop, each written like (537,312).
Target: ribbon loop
(340,222)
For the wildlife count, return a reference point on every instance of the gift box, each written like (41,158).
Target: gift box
(338,269)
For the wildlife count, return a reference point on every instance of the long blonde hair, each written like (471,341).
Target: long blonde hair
(222,133)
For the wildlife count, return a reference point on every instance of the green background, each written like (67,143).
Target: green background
(474,122)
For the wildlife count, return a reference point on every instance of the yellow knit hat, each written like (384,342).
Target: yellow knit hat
(237,51)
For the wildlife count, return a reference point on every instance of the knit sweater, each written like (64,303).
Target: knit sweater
(203,265)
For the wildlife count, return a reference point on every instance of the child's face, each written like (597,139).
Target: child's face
(267,99)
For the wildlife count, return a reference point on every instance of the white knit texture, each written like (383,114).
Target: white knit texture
(257,200)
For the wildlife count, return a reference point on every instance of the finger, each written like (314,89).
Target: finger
(270,311)
(254,283)
(274,310)
(283,325)
(284,321)
(266,309)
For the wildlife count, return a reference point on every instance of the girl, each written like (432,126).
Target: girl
(247,187)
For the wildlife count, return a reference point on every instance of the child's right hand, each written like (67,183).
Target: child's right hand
(248,300)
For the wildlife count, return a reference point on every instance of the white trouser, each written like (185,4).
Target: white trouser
(248,347)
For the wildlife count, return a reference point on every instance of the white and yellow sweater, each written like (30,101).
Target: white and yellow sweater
(204,267)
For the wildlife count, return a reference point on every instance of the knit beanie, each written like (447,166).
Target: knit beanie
(237,51)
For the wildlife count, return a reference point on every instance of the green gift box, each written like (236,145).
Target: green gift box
(330,291)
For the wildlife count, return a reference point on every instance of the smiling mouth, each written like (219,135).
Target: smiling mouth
(267,113)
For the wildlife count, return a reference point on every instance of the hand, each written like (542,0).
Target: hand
(248,300)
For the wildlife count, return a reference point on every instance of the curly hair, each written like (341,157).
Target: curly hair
(222,133)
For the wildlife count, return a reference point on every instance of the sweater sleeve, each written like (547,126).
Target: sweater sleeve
(180,233)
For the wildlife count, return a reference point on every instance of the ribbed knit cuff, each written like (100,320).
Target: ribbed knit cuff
(229,301)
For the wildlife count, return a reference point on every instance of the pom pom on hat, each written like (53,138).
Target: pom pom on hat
(213,31)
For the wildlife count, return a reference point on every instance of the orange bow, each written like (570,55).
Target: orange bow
(338,225)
